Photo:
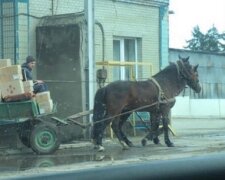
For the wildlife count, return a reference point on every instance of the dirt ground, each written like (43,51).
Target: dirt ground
(194,137)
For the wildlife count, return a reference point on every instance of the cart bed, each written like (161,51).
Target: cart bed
(18,111)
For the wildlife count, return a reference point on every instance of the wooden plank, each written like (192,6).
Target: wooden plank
(81,114)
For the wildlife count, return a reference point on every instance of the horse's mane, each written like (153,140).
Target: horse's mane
(167,69)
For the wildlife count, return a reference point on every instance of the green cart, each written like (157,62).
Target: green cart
(37,131)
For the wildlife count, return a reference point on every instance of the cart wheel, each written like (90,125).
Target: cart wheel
(44,138)
(24,131)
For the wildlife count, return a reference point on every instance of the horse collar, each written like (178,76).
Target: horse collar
(161,96)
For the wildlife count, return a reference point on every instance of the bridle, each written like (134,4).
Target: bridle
(183,72)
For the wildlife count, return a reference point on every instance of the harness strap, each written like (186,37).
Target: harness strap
(178,69)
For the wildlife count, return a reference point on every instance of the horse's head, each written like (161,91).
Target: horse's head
(189,73)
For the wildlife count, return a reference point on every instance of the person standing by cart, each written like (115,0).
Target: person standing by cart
(27,67)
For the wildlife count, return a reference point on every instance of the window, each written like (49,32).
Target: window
(125,50)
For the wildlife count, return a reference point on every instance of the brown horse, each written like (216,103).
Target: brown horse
(116,101)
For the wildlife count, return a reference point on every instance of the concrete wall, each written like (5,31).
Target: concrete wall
(198,108)
(211,101)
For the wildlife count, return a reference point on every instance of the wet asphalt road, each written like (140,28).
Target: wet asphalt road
(194,137)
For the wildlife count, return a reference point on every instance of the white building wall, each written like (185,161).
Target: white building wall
(123,19)
(198,108)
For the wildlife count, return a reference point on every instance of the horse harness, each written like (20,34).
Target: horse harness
(162,99)
(161,95)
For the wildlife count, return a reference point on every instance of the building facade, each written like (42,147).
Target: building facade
(133,31)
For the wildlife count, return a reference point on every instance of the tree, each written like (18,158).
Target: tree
(212,41)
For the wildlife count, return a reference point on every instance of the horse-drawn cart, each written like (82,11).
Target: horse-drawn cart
(36,131)
(40,132)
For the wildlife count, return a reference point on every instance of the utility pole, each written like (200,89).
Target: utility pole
(90,19)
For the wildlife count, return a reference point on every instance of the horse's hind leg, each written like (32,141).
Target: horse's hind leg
(98,130)
(99,126)
(165,120)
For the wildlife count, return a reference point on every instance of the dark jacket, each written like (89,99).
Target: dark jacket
(26,72)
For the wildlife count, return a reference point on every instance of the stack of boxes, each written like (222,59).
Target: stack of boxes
(11,84)
(45,102)
(10,79)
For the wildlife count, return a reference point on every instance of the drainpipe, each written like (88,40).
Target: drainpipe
(103,39)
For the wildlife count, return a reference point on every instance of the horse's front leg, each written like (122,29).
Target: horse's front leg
(165,120)
(154,130)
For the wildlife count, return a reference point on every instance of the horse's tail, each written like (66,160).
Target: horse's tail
(99,105)
(99,113)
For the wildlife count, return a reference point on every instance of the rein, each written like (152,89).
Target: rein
(127,112)
(162,99)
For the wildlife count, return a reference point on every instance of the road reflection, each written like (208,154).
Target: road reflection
(21,163)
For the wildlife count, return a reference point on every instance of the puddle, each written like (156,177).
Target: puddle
(19,163)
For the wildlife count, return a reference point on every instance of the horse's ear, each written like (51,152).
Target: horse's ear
(186,59)
(179,57)
(195,68)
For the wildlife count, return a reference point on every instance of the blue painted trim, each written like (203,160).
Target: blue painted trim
(162,10)
(23,1)
(1,26)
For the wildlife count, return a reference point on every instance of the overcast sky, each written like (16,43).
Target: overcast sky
(189,13)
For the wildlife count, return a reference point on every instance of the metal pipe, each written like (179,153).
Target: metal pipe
(103,39)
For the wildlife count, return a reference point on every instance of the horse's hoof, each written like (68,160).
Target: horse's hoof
(143,142)
(170,145)
(130,144)
(156,141)
(124,145)
(101,149)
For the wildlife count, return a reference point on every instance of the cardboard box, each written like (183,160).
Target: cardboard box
(12,88)
(45,107)
(28,86)
(10,73)
(43,97)
(5,63)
